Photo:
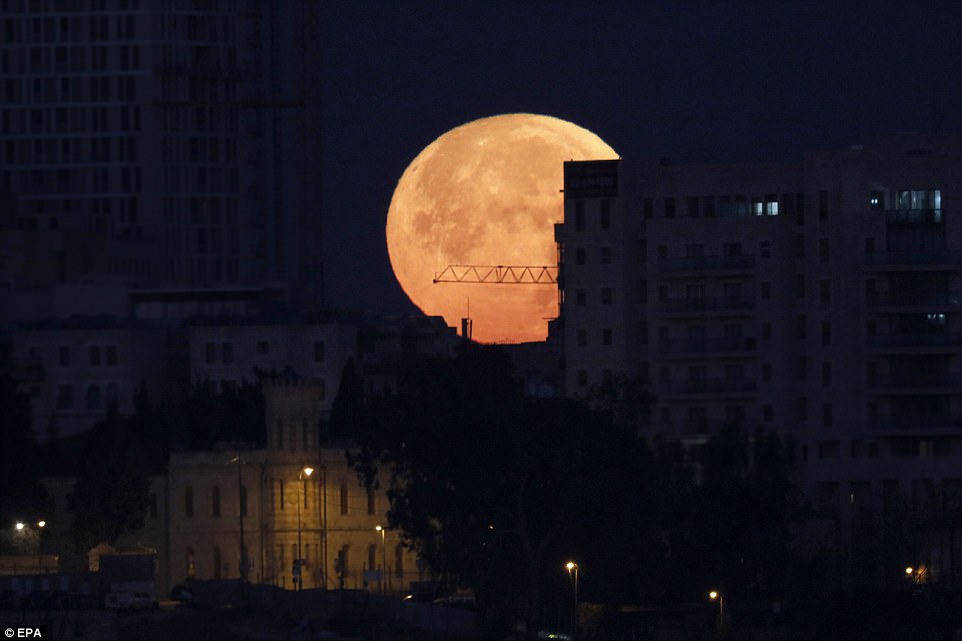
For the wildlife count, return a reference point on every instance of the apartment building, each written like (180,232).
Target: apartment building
(818,297)
(159,144)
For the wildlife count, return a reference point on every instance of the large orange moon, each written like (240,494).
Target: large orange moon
(486,193)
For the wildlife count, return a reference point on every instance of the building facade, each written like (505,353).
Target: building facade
(160,144)
(235,512)
(819,298)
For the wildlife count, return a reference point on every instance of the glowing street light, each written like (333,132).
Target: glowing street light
(713,595)
(19,526)
(381,530)
(306,471)
(572,569)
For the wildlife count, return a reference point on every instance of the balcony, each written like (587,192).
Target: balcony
(914,300)
(941,258)
(742,345)
(919,341)
(916,424)
(915,383)
(913,217)
(709,305)
(711,387)
(688,264)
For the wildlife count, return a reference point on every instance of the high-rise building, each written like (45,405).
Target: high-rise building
(819,298)
(160,144)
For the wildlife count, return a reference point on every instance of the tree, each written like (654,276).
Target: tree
(111,495)
(22,497)
(496,489)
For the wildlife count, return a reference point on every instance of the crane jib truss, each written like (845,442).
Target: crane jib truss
(499,274)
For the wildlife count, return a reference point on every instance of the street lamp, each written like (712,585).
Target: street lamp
(306,471)
(713,595)
(572,569)
(40,525)
(379,529)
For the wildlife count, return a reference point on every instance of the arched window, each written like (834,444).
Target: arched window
(189,502)
(215,500)
(344,498)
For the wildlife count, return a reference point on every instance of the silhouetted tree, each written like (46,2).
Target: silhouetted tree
(111,495)
(22,496)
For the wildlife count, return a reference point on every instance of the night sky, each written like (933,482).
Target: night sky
(681,80)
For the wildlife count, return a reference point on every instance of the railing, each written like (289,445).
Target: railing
(712,386)
(710,345)
(934,257)
(706,263)
(915,299)
(914,422)
(915,381)
(929,216)
(915,340)
(709,304)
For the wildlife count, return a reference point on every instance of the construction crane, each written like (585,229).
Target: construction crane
(499,274)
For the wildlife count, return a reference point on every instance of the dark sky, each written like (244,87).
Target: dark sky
(679,80)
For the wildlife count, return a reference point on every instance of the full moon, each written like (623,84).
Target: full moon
(486,193)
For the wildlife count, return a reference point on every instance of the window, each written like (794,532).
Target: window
(606,255)
(823,250)
(767,413)
(606,336)
(767,372)
(579,255)
(218,565)
(827,414)
(826,374)
(64,397)
(605,214)
(263,347)
(93,399)
(191,566)
(826,333)
(280,494)
(63,355)
(110,355)
(370,500)
(372,556)
(579,215)
(215,501)
(210,353)
(765,248)
(606,296)
(829,449)
(582,377)
(227,353)
(344,499)
(766,290)
(669,207)
(823,205)
(582,337)
(580,297)
(189,502)
(95,355)
(693,207)
(767,331)
(824,291)
(648,208)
